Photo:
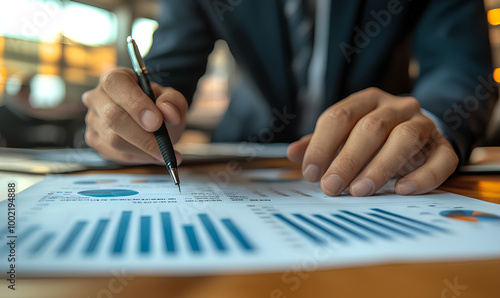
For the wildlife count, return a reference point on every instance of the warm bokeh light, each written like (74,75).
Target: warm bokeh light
(3,71)
(494,16)
(101,60)
(2,46)
(75,75)
(50,52)
(3,78)
(48,69)
(75,55)
(488,189)
(496,75)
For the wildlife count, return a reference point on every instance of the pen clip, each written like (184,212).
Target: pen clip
(135,56)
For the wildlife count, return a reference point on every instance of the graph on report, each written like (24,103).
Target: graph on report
(136,234)
(140,223)
(221,235)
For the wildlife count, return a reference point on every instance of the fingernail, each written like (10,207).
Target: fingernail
(406,188)
(332,184)
(149,119)
(311,173)
(362,187)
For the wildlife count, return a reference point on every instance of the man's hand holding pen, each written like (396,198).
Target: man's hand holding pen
(121,119)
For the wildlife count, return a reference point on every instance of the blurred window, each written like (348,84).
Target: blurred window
(49,19)
(142,32)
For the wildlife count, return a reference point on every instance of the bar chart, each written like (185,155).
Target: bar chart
(172,232)
(346,226)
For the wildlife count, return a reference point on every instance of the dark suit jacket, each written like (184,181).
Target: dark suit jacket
(449,39)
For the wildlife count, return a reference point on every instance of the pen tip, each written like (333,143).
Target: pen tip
(179,186)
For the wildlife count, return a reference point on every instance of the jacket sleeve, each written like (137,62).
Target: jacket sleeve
(455,81)
(181,46)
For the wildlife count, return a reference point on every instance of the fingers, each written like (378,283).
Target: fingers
(173,107)
(117,130)
(332,128)
(121,118)
(440,165)
(404,143)
(121,86)
(370,138)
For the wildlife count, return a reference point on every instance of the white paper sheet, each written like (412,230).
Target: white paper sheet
(256,221)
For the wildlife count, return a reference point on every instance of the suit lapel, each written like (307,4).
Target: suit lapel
(261,23)
(344,15)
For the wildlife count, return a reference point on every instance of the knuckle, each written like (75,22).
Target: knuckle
(372,91)
(412,104)
(410,133)
(317,151)
(86,97)
(135,106)
(90,139)
(336,114)
(150,146)
(115,140)
(125,157)
(88,118)
(375,125)
(346,164)
(453,159)
(111,78)
(112,115)
(385,171)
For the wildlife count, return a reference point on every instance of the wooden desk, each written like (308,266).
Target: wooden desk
(476,279)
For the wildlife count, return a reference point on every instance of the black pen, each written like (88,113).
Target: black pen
(162,137)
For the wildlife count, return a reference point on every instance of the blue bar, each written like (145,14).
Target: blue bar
(121,233)
(72,236)
(400,223)
(362,226)
(397,231)
(342,227)
(304,232)
(212,231)
(412,220)
(237,233)
(321,228)
(20,238)
(27,233)
(145,234)
(168,231)
(42,243)
(96,237)
(191,236)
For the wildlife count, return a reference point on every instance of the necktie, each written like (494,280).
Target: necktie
(300,29)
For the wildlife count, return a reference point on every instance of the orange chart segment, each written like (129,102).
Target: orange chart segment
(470,215)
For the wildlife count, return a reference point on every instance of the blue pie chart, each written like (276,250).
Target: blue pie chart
(103,193)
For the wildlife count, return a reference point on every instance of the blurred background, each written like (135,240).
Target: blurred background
(51,51)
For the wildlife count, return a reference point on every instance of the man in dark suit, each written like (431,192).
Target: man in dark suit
(373,124)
